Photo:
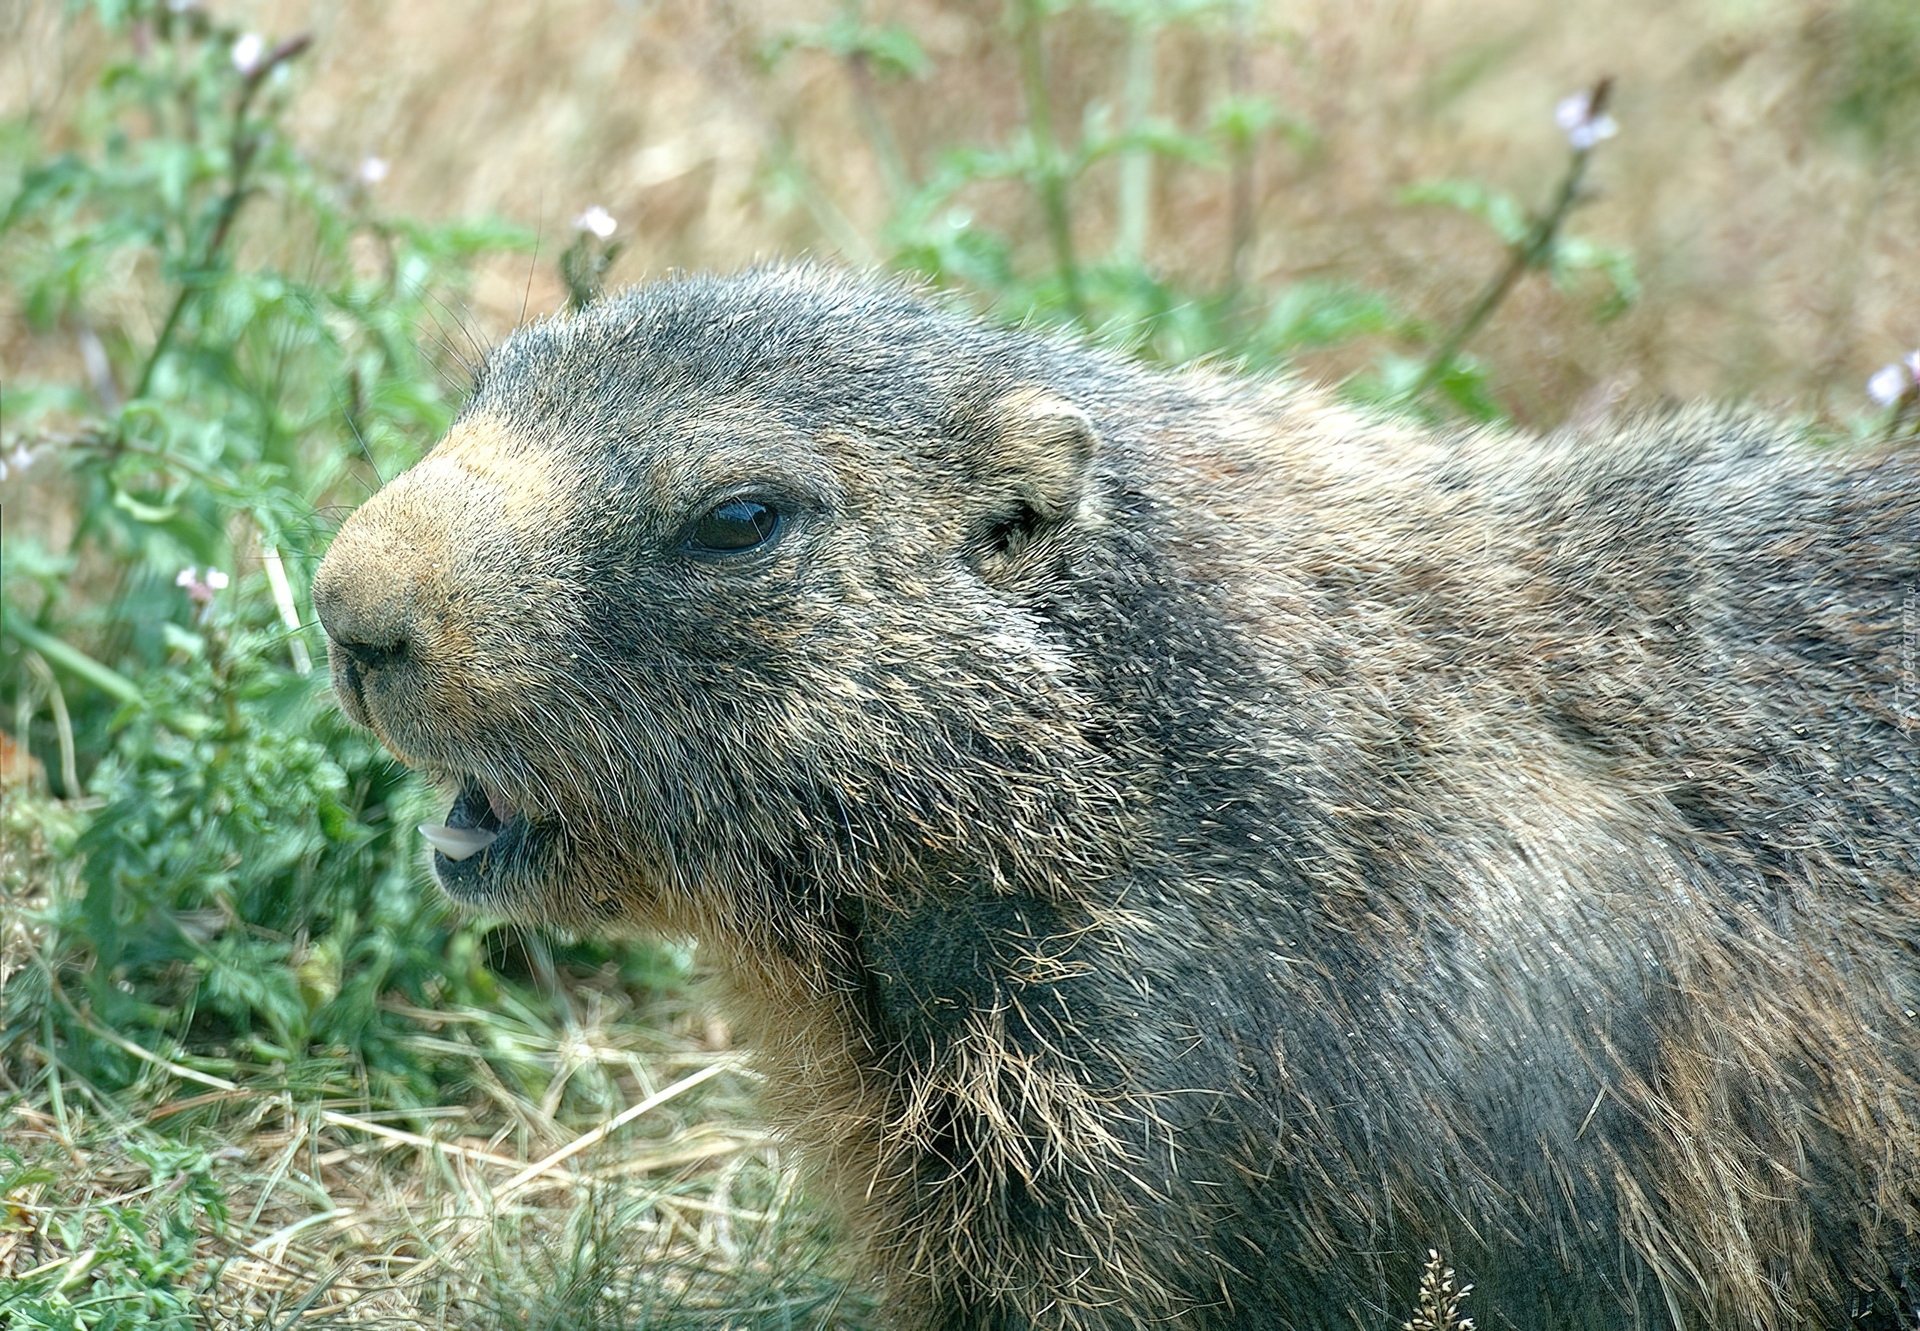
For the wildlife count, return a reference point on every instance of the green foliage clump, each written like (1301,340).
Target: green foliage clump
(1118,296)
(129,1265)
(230,885)
(1874,87)
(261,345)
(268,887)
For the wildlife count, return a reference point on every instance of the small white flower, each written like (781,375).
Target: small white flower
(1586,136)
(1584,129)
(372,170)
(1888,383)
(248,52)
(187,577)
(216,579)
(597,220)
(19,460)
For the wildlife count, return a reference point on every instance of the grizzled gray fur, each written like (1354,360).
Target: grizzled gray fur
(1181,849)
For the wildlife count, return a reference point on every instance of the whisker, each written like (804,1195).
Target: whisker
(539,233)
(366,450)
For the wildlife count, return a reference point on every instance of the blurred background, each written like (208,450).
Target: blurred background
(1763,179)
(253,1070)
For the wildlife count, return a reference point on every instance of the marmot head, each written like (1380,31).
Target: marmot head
(733,594)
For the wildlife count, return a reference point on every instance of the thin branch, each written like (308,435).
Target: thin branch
(1136,164)
(873,121)
(241,150)
(1051,179)
(1240,161)
(1529,252)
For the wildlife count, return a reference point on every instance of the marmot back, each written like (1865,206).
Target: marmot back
(1182,849)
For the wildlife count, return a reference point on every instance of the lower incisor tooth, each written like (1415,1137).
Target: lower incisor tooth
(457,843)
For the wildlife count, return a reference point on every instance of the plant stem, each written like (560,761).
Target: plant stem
(1904,422)
(71,659)
(714,57)
(62,722)
(51,1053)
(1240,166)
(241,148)
(1050,176)
(1528,253)
(1136,164)
(873,122)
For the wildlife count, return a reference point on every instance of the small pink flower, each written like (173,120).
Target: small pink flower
(248,52)
(200,592)
(1584,129)
(597,220)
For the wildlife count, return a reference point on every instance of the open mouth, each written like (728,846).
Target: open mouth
(483,833)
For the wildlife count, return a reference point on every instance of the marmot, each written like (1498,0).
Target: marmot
(1182,848)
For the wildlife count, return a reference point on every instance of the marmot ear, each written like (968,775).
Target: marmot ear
(1036,456)
(1041,446)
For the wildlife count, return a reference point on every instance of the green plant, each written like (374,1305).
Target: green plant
(1120,297)
(230,887)
(125,1262)
(1533,241)
(1874,91)
(245,876)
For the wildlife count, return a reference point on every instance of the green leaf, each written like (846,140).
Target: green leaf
(1498,209)
(143,511)
(888,48)
(1574,257)
(1312,315)
(1243,119)
(70,659)
(1160,137)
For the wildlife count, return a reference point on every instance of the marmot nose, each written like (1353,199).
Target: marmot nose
(372,655)
(368,617)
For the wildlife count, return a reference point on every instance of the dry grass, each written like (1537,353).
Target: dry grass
(335,1215)
(666,1203)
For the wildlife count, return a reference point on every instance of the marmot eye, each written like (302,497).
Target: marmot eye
(738,524)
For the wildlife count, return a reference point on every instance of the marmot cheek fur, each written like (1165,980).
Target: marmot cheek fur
(1182,849)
